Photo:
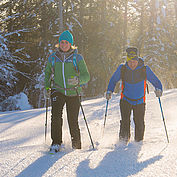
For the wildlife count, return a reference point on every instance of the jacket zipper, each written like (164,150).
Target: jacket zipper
(64,75)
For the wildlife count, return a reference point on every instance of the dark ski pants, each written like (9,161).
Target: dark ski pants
(72,107)
(138,118)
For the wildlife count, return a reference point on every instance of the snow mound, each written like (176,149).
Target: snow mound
(16,102)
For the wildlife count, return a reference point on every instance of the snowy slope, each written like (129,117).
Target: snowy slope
(23,151)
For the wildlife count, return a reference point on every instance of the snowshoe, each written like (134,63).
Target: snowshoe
(55,148)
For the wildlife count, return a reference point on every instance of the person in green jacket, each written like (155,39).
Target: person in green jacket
(65,73)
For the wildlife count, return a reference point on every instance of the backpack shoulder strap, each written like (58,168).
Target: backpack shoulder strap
(53,59)
(122,77)
(145,76)
(144,72)
(75,61)
(122,72)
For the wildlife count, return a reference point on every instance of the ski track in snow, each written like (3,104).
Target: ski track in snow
(24,152)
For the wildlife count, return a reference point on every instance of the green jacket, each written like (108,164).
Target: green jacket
(60,68)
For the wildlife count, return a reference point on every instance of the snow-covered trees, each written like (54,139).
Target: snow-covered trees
(7,71)
(102,29)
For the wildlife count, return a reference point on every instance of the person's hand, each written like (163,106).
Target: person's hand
(74,80)
(47,93)
(158,93)
(108,95)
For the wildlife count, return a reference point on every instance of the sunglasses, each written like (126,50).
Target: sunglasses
(131,55)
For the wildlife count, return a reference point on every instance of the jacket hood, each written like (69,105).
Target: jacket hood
(60,54)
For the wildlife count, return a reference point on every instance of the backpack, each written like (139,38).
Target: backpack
(124,68)
(122,76)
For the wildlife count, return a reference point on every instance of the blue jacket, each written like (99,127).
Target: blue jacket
(133,85)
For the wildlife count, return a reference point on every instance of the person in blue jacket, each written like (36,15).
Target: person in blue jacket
(134,75)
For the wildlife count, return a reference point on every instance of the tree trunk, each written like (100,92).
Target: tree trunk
(125,26)
(152,18)
(141,33)
(61,15)
(176,19)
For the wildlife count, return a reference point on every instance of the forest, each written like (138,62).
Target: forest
(102,30)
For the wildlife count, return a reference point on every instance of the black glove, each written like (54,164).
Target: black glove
(158,93)
(108,95)
(47,93)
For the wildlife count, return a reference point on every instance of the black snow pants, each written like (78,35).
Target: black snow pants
(138,118)
(72,107)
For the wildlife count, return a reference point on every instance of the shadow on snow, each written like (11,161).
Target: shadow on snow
(121,162)
(41,165)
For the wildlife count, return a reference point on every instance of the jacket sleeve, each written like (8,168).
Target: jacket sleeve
(114,79)
(152,78)
(84,75)
(48,72)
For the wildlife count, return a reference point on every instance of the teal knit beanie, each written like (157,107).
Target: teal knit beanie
(66,35)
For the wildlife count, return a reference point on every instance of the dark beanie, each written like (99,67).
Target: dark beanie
(132,51)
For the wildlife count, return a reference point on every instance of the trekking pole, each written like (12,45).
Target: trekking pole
(163,119)
(106,113)
(46,118)
(102,131)
(85,119)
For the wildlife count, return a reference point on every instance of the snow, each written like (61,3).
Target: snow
(70,26)
(165,2)
(162,49)
(23,150)
(158,20)
(22,101)
(16,102)
(157,4)
(50,1)
(75,19)
(163,9)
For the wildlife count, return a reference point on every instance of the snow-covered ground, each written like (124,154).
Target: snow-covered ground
(23,150)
